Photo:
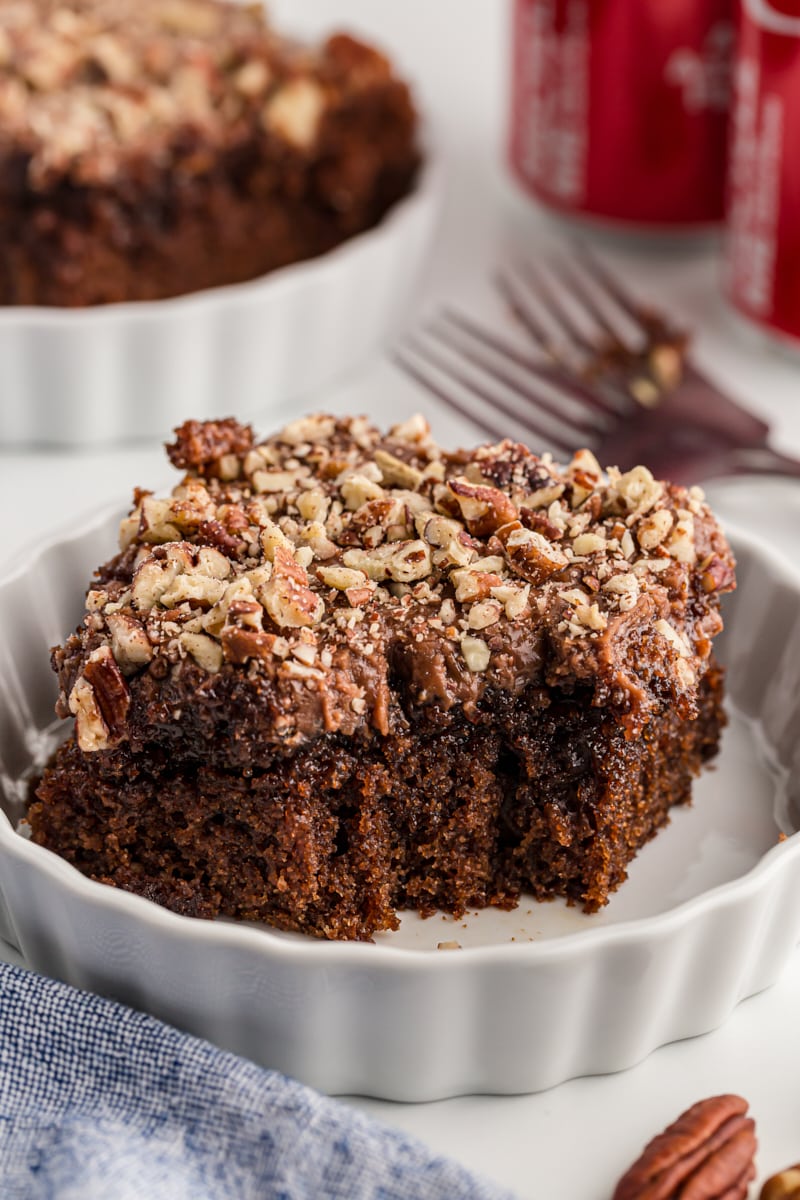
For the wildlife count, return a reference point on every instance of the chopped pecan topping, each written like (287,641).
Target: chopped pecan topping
(396,472)
(476,653)
(718,575)
(287,596)
(485,509)
(294,112)
(216,535)
(130,644)
(205,650)
(240,645)
(474,585)
(654,528)
(529,554)
(179,572)
(99,701)
(86,84)
(297,553)
(540,523)
(401,561)
(200,446)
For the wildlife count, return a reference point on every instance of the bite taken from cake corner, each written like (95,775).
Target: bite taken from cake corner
(338,673)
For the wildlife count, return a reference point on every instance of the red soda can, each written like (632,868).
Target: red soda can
(762,258)
(620,108)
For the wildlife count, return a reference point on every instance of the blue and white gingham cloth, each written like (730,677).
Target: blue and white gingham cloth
(98,1102)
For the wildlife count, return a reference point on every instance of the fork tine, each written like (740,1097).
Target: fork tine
(489,338)
(604,279)
(509,290)
(536,278)
(587,300)
(585,350)
(406,364)
(589,398)
(472,354)
(523,416)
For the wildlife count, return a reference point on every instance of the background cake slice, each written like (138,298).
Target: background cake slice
(338,673)
(150,148)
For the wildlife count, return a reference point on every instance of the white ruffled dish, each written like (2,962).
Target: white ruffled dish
(535,996)
(122,372)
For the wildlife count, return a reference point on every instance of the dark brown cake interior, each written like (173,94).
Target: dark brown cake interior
(546,800)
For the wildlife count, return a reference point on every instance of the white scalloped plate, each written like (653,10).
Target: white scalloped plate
(535,996)
(127,372)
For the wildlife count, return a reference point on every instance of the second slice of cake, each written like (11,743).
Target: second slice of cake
(152,148)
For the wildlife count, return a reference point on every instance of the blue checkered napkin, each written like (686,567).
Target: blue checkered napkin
(98,1102)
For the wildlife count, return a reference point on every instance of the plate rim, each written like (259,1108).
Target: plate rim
(278,283)
(255,938)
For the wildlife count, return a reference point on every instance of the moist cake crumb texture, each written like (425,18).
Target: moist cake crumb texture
(338,673)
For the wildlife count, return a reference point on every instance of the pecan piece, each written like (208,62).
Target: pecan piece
(358,596)
(130,644)
(718,575)
(706,1154)
(99,702)
(205,651)
(178,572)
(245,614)
(375,515)
(404,561)
(287,596)
(240,645)
(214,534)
(202,446)
(532,518)
(485,509)
(783,1186)
(397,473)
(529,554)
(473,585)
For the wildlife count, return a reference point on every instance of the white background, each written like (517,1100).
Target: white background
(574,1141)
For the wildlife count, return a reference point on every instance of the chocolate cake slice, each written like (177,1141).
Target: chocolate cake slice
(339,673)
(150,148)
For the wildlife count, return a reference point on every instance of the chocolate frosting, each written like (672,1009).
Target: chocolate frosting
(336,580)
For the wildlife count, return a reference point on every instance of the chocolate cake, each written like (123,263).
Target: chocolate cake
(150,148)
(337,673)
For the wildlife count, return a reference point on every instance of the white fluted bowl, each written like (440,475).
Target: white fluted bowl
(535,996)
(123,372)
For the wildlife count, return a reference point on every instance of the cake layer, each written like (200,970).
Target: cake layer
(149,149)
(549,799)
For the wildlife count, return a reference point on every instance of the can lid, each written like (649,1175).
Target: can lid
(777,16)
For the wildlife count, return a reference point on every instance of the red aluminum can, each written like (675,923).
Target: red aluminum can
(620,108)
(762,259)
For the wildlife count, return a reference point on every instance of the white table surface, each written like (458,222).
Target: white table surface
(575,1140)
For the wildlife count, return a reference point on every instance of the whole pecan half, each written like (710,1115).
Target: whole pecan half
(110,690)
(706,1154)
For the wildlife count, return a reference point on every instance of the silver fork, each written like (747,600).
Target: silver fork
(604,372)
